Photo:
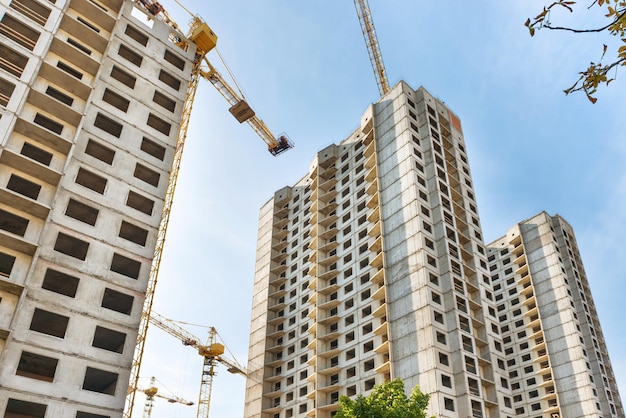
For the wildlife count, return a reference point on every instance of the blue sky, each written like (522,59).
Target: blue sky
(305,69)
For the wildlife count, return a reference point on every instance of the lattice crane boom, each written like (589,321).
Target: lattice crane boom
(371,41)
(244,113)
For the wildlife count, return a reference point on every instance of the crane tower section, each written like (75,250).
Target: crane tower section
(371,41)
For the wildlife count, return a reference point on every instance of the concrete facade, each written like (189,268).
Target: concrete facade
(556,355)
(373,267)
(91,95)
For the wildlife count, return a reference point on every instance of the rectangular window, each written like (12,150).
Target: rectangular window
(108,125)
(71,246)
(6,264)
(99,151)
(79,46)
(133,233)
(146,174)
(137,36)
(49,323)
(12,62)
(24,187)
(100,381)
(48,123)
(18,32)
(108,339)
(81,414)
(6,90)
(175,60)
(125,266)
(12,223)
(130,55)
(88,24)
(159,124)
(36,366)
(61,283)
(115,100)
(70,70)
(81,212)
(32,10)
(164,101)
(117,301)
(18,408)
(123,77)
(140,203)
(150,147)
(60,96)
(169,79)
(90,180)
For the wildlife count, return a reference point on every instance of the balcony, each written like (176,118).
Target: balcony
(380,311)
(23,203)
(383,368)
(328,289)
(377,262)
(382,329)
(374,231)
(280,257)
(372,189)
(372,202)
(370,164)
(369,150)
(328,220)
(379,277)
(44,136)
(280,223)
(382,348)
(329,245)
(372,172)
(379,294)
(328,184)
(279,245)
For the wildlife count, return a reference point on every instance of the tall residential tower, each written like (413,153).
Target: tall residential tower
(373,267)
(557,359)
(91,96)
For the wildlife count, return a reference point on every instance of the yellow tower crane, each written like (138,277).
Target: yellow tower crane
(373,49)
(212,353)
(205,41)
(151,392)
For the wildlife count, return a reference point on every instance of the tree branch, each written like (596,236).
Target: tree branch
(617,19)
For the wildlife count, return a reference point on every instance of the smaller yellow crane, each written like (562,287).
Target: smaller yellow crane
(212,353)
(152,392)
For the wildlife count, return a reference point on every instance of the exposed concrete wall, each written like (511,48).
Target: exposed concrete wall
(97,173)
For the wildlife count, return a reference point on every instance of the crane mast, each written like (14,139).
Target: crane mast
(160,241)
(152,392)
(212,353)
(371,41)
(205,40)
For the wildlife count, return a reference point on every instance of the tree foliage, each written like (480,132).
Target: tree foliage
(387,400)
(598,72)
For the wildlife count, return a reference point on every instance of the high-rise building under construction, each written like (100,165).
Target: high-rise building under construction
(373,267)
(91,96)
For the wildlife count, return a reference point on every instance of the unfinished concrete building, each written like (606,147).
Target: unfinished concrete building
(373,267)
(557,358)
(91,95)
